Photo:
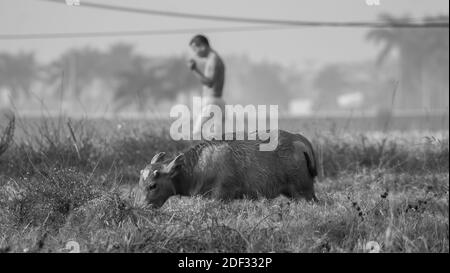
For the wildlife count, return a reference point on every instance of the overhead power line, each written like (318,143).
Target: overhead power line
(28,36)
(266,24)
(234,19)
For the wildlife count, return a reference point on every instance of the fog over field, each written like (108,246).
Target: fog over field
(87,96)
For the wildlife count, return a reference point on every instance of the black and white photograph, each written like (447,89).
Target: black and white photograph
(198,129)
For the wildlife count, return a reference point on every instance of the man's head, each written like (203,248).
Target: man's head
(200,45)
(156,182)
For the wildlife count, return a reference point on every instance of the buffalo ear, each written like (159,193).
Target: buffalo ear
(175,163)
(158,157)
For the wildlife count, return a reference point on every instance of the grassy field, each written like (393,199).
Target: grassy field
(56,187)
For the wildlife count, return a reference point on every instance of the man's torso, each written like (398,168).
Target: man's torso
(214,65)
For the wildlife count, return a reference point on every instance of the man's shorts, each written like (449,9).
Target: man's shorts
(207,111)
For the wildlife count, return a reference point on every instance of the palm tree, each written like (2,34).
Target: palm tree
(409,57)
(330,82)
(435,43)
(136,84)
(17,73)
(119,58)
(79,66)
(153,79)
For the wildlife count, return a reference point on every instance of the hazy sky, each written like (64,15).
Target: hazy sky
(289,46)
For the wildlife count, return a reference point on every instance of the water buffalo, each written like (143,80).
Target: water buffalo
(230,170)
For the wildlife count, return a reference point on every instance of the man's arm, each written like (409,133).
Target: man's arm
(209,77)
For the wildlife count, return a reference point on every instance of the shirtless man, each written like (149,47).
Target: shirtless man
(212,79)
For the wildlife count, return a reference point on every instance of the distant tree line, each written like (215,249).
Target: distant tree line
(128,77)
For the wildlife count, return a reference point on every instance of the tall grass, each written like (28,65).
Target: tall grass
(62,181)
